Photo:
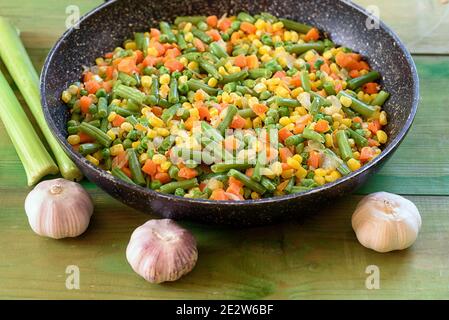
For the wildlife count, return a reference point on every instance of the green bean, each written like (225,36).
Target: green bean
(259,73)
(224,167)
(173,96)
(88,148)
(197,84)
(132,106)
(173,172)
(300,48)
(267,184)
(210,69)
(169,113)
(357,105)
(184,184)
(247,113)
(295,26)
(253,185)
(320,99)
(216,149)
(238,76)
(231,111)
(202,35)
(104,124)
(142,42)
(312,135)
(256,176)
(360,140)
(191,19)
(218,50)
(329,88)
(243,16)
(305,81)
(343,145)
(166,144)
(294,140)
(181,41)
(342,168)
(102,107)
(380,99)
(122,111)
(192,56)
(73,130)
(96,133)
(126,79)
(211,132)
(134,167)
(290,185)
(284,102)
(245,90)
(298,189)
(360,81)
(132,119)
(166,29)
(129,93)
(118,173)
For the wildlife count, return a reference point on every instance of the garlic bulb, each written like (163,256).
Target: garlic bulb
(160,250)
(58,209)
(385,222)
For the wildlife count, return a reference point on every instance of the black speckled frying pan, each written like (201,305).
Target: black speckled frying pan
(107,26)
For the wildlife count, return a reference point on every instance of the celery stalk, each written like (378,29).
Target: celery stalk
(25,76)
(36,161)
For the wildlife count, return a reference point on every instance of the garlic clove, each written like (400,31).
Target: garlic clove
(58,209)
(385,222)
(160,250)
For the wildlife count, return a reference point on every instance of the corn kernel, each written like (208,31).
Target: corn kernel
(282,92)
(296,92)
(66,96)
(135,144)
(293,163)
(260,24)
(284,121)
(334,175)
(165,165)
(214,184)
(116,149)
(298,158)
(187,27)
(212,82)
(309,56)
(188,36)
(156,122)
(277,26)
(265,58)
(319,179)
(143,157)
(92,160)
(329,140)
(276,167)
(383,118)
(327,55)
(257,122)
(111,134)
(337,117)
(248,123)
(255,195)
(334,68)
(146,81)
(381,136)
(347,122)
(287,36)
(264,49)
(164,79)
(126,126)
(346,101)
(73,139)
(159,158)
(260,87)
(152,52)
(130,45)
(353,164)
(112,116)
(301,173)
(163,132)
(73,89)
(320,172)
(257,43)
(151,134)
(287,174)
(302,111)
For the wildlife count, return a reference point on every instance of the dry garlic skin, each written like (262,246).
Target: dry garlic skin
(160,251)
(385,222)
(58,209)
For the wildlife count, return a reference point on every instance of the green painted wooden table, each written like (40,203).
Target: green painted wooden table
(319,258)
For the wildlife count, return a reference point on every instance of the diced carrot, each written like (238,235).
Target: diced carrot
(139,56)
(374,126)
(249,172)
(279,74)
(235,181)
(295,81)
(107,85)
(312,35)
(230,143)
(85,103)
(285,153)
(120,160)
(189,123)
(150,61)
(187,173)
(87,76)
(366,154)
(284,133)
(247,27)
(314,159)
(285,166)
(235,37)
(238,122)
(224,24)
(325,68)
(108,55)
(157,110)
(212,21)
(109,72)
(304,119)
(155,33)
(126,171)
(92,86)
(371,88)
(84,137)
(163,177)
(259,108)
(240,61)
(160,48)
(354,73)
(173,65)
(234,189)
(204,113)
(172,53)
(149,167)
(349,61)
(373,143)
(76,147)
(338,86)
(282,185)
(214,34)
(363,65)
(357,119)
(322,126)
(218,194)
(299,128)
(199,45)
(118,120)
(252,62)
(127,65)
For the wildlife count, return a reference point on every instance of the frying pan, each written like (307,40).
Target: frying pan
(107,26)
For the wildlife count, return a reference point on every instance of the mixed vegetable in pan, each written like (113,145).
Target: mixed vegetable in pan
(230,108)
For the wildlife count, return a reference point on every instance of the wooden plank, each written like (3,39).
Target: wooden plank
(422,25)
(319,258)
